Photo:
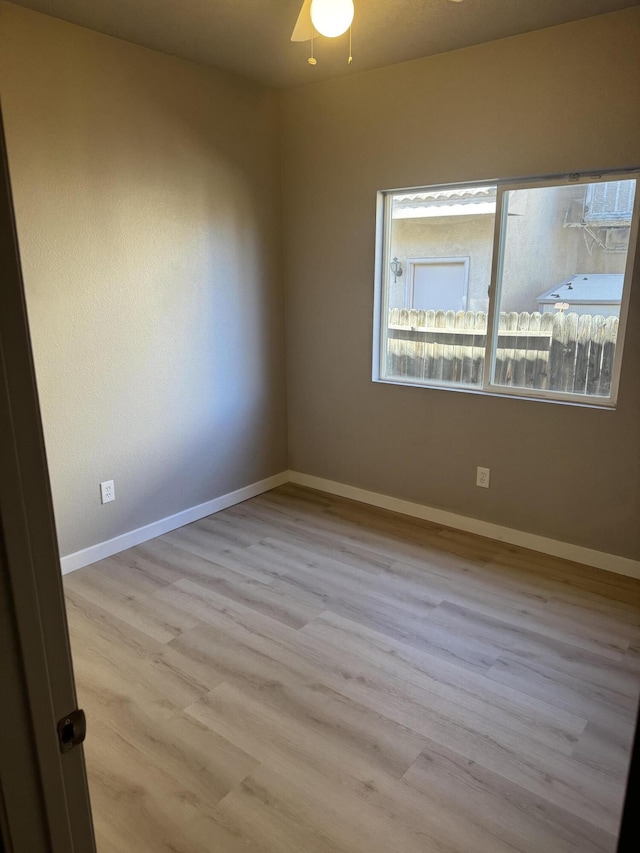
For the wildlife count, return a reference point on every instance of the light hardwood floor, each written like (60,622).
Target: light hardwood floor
(305,674)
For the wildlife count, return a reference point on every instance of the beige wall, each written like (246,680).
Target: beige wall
(543,103)
(147,200)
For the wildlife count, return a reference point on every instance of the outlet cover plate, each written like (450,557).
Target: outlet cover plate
(107,492)
(483,477)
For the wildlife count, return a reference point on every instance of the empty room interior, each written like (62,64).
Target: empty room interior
(337,346)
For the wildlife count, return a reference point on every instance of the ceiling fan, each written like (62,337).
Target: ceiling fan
(330,18)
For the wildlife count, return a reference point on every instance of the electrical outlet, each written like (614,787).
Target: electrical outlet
(107,492)
(483,477)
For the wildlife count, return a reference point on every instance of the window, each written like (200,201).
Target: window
(516,288)
(609,201)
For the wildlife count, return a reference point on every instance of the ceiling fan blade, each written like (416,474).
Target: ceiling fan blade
(303,29)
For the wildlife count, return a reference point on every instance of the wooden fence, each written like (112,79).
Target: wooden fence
(552,351)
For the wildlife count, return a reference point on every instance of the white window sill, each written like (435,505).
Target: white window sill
(548,397)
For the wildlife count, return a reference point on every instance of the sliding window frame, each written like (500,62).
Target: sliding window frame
(495,289)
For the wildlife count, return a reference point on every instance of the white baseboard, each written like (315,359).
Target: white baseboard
(142,534)
(554,547)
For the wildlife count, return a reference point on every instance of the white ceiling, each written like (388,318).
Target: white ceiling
(252,37)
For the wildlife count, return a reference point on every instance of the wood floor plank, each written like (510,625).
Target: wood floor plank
(361,813)
(331,587)
(196,758)
(516,584)
(590,581)
(114,579)
(241,649)
(201,542)
(311,724)
(159,620)
(279,524)
(607,750)
(145,677)
(305,674)
(464,691)
(604,637)
(583,627)
(257,660)
(507,637)
(258,595)
(391,535)
(509,811)
(139,807)
(599,704)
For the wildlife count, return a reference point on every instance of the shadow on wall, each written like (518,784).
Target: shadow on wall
(148,212)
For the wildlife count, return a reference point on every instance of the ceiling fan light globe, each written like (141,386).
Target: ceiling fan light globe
(332,18)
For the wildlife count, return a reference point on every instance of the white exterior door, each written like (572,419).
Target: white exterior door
(438,284)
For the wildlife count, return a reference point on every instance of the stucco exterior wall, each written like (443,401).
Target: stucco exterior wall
(445,237)
(540,250)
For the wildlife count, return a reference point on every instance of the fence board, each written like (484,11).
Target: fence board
(438,348)
(468,321)
(551,351)
(582,353)
(500,371)
(608,353)
(448,352)
(520,358)
(478,349)
(532,359)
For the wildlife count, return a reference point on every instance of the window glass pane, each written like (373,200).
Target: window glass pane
(560,287)
(440,249)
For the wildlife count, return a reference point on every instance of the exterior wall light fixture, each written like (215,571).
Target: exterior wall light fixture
(396,269)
